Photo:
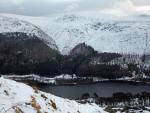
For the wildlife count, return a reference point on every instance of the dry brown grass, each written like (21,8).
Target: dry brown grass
(53,104)
(43,96)
(17,109)
(34,104)
(36,90)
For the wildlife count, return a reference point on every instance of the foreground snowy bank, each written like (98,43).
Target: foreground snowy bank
(19,98)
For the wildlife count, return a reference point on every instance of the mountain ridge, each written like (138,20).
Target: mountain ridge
(10,25)
(104,34)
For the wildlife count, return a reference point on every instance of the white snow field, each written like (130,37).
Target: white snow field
(127,34)
(20,98)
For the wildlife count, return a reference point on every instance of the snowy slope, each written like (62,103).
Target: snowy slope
(8,24)
(104,33)
(20,98)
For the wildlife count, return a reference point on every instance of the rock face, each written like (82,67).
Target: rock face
(82,49)
(19,52)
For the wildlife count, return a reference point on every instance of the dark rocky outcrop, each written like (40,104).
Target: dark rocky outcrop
(80,62)
(82,49)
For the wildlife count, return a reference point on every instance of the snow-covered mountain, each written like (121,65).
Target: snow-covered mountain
(20,98)
(103,33)
(12,25)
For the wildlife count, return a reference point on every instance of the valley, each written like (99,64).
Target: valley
(88,59)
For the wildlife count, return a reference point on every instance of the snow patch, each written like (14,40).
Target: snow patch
(18,96)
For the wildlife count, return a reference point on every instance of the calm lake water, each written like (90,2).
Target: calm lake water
(104,89)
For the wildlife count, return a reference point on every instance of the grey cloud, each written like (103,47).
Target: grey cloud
(47,7)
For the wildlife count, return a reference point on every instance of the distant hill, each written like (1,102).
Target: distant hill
(104,33)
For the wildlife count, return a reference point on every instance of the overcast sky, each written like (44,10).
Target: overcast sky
(48,7)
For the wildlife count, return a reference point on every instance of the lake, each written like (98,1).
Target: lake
(103,89)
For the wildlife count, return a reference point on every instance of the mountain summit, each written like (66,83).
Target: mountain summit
(103,33)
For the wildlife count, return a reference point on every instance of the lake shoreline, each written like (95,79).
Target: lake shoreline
(102,81)
(102,89)
(60,81)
